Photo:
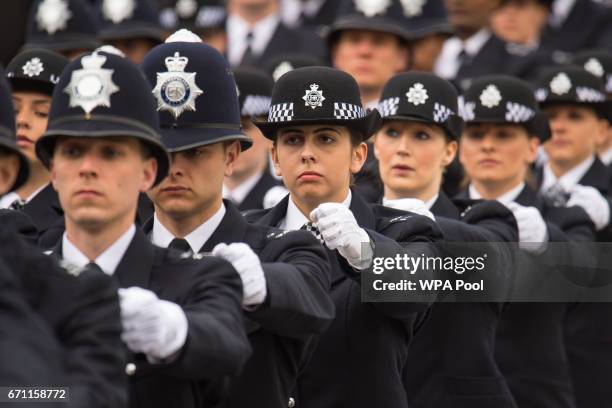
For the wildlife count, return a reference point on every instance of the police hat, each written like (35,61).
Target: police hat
(318,95)
(573,85)
(280,64)
(128,19)
(196,94)
(428,17)
(36,70)
(103,95)
(194,15)
(7,132)
(598,63)
(254,91)
(505,100)
(61,25)
(422,97)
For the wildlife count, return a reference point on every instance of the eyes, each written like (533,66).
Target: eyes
(195,153)
(477,134)
(297,139)
(420,135)
(76,151)
(40,110)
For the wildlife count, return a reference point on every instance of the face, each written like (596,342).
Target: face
(134,49)
(412,157)
(493,153)
(98,180)
(256,157)
(576,130)
(470,15)
(519,21)
(31,114)
(372,58)
(194,183)
(9,170)
(425,52)
(316,162)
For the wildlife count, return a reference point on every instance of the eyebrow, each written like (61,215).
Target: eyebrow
(36,101)
(327,129)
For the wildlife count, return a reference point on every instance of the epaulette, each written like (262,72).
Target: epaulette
(276,234)
(400,218)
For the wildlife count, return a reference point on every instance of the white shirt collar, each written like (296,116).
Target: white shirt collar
(569,179)
(506,198)
(107,260)
(9,198)
(161,236)
(560,11)
(292,10)
(294,219)
(237,30)
(606,157)
(239,193)
(429,203)
(447,64)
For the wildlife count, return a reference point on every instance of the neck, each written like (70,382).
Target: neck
(306,206)
(180,225)
(255,14)
(604,148)
(424,195)
(559,168)
(236,179)
(494,190)
(91,240)
(463,33)
(370,95)
(39,176)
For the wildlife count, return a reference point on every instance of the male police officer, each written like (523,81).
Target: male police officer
(181,317)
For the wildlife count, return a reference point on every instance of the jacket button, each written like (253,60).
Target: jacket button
(130,368)
(291,403)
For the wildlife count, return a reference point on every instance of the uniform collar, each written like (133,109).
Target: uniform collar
(506,198)
(561,9)
(9,198)
(161,236)
(606,157)
(569,179)
(294,219)
(107,260)
(239,193)
(237,29)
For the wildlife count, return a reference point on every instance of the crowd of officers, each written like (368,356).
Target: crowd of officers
(185,223)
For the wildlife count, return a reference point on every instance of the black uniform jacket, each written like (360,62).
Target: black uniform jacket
(254,200)
(359,361)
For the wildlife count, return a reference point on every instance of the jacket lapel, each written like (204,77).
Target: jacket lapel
(232,228)
(137,262)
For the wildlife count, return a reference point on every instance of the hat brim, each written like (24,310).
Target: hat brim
(132,32)
(24,164)
(63,43)
(177,139)
(603,109)
(430,27)
(453,127)
(32,85)
(366,126)
(358,22)
(537,126)
(103,127)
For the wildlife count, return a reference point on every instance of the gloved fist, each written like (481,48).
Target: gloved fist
(533,233)
(595,204)
(410,204)
(247,263)
(152,326)
(339,230)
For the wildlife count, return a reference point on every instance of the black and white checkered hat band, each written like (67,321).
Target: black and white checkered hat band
(348,111)
(441,113)
(517,113)
(583,93)
(609,84)
(388,107)
(210,16)
(281,112)
(255,105)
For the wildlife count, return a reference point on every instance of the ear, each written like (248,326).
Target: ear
(602,132)
(232,152)
(532,154)
(149,174)
(450,151)
(374,147)
(9,169)
(358,157)
(277,169)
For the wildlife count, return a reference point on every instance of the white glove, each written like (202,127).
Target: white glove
(247,264)
(152,326)
(595,205)
(339,230)
(533,233)
(410,204)
(274,196)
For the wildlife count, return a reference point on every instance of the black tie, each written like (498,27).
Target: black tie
(18,204)
(180,244)
(92,266)
(310,227)
(248,57)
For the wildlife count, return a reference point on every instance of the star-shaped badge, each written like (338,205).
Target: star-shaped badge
(176,90)
(313,97)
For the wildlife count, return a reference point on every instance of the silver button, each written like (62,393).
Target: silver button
(291,403)
(130,368)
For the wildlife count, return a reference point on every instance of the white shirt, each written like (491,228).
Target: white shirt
(429,203)
(606,157)
(107,260)
(196,239)
(560,11)
(237,30)
(294,219)
(293,10)
(447,64)
(10,198)
(506,198)
(569,179)
(239,193)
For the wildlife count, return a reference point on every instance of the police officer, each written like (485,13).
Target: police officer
(285,276)
(251,185)
(318,126)
(66,26)
(181,317)
(33,75)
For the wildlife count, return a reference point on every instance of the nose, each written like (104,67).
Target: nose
(22,119)
(176,168)
(488,142)
(89,165)
(307,154)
